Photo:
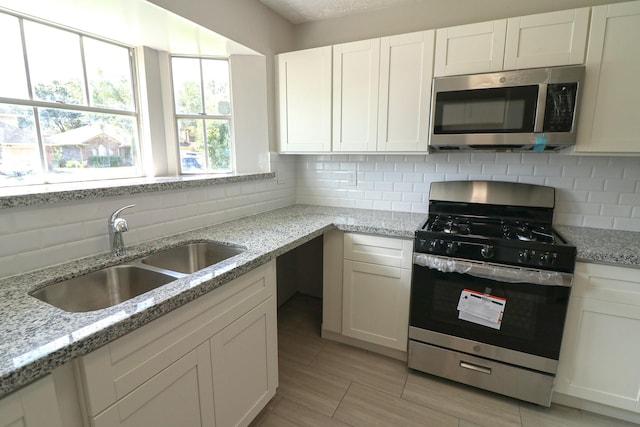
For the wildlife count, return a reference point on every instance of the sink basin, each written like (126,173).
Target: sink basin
(192,257)
(102,288)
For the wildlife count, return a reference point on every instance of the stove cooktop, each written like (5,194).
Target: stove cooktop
(498,241)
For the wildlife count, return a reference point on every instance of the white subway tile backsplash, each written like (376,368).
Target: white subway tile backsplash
(598,191)
(621,185)
(39,236)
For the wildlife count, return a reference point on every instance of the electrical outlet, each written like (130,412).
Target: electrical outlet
(352,178)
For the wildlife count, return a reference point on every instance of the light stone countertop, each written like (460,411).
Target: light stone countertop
(36,337)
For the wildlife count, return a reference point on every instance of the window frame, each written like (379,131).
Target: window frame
(202,116)
(36,104)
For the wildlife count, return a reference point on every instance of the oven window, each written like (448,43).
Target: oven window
(495,110)
(533,319)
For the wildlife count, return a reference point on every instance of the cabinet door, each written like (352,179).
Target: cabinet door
(33,406)
(406,71)
(548,39)
(245,365)
(180,395)
(304,100)
(601,341)
(609,120)
(375,306)
(469,49)
(600,353)
(355,95)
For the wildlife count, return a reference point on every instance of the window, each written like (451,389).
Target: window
(67,106)
(203,113)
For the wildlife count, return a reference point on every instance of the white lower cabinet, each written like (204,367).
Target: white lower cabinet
(245,361)
(601,342)
(180,395)
(211,362)
(375,289)
(35,405)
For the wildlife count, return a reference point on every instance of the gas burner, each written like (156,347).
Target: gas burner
(450,225)
(527,233)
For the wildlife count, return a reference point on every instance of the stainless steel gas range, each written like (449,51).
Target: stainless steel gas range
(490,288)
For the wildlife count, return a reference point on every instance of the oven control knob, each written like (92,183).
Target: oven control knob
(524,256)
(433,245)
(451,247)
(487,251)
(547,258)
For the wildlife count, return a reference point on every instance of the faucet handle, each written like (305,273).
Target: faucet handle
(116,214)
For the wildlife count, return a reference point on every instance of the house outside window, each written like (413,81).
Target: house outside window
(202,104)
(68,109)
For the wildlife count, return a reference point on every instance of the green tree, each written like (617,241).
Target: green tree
(218,148)
(57,120)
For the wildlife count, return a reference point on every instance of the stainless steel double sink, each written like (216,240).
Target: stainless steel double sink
(112,285)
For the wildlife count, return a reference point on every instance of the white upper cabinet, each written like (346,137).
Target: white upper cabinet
(609,119)
(382,93)
(406,71)
(355,95)
(543,40)
(547,39)
(469,49)
(304,100)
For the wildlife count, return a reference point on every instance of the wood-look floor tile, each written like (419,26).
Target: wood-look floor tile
(363,367)
(364,406)
(297,347)
(274,420)
(464,423)
(562,416)
(303,416)
(471,404)
(301,314)
(312,388)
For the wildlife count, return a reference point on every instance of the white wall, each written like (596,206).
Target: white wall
(601,192)
(423,15)
(39,236)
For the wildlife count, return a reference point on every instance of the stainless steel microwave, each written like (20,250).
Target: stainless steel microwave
(533,109)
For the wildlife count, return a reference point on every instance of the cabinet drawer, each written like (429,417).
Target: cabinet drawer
(116,369)
(389,251)
(607,283)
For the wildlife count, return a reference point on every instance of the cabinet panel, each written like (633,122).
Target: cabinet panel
(304,100)
(389,251)
(601,341)
(548,39)
(355,95)
(376,303)
(605,352)
(245,365)
(469,49)
(33,406)
(406,71)
(609,119)
(180,395)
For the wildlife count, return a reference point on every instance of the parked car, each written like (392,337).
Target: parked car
(190,163)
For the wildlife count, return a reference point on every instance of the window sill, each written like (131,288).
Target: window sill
(52,193)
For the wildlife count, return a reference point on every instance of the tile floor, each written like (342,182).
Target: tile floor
(323,383)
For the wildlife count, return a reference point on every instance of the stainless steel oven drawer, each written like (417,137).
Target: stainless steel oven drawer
(523,384)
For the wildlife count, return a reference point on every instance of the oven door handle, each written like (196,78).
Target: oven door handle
(499,272)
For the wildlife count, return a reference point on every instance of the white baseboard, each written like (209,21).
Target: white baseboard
(598,408)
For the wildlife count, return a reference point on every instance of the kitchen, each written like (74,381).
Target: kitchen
(598,191)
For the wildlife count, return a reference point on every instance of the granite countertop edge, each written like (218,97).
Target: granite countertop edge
(37,337)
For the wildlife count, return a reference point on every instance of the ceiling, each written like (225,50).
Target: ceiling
(301,11)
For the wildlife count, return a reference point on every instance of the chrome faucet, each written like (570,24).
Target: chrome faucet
(117,226)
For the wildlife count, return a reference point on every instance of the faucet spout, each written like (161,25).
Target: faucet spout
(117,226)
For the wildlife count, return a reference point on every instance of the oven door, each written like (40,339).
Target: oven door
(533,313)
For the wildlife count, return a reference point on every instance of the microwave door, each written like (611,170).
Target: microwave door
(494,110)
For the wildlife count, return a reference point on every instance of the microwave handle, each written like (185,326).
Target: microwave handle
(541,106)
